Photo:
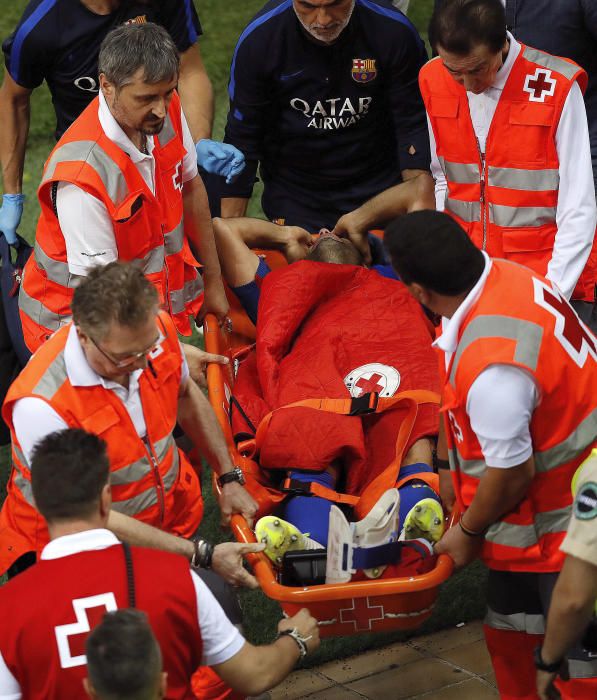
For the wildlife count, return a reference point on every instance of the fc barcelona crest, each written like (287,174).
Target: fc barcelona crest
(363,70)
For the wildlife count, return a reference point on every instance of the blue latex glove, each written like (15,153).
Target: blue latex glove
(11,212)
(220,158)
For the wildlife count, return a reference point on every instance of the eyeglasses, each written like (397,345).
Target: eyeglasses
(135,357)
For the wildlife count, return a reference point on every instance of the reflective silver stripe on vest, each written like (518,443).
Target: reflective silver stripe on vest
(527,180)
(153,262)
(39,313)
(467,211)
(460,173)
(579,439)
(52,379)
(20,455)
(527,335)
(579,668)
(91,153)
(171,475)
(137,504)
(173,240)
(508,535)
(521,217)
(515,622)
(24,486)
(472,467)
(167,133)
(135,471)
(55,270)
(567,69)
(179,298)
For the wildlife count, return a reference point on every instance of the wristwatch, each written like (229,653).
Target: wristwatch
(298,638)
(540,665)
(235,475)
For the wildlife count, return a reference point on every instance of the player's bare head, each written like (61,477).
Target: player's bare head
(133,48)
(331,249)
(124,661)
(430,250)
(69,472)
(324,20)
(470,38)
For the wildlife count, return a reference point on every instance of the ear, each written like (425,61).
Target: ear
(89,688)
(105,501)
(419,292)
(106,87)
(163,684)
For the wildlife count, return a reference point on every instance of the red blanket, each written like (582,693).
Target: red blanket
(335,331)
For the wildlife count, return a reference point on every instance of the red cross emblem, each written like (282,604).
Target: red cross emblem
(573,335)
(362,614)
(540,85)
(370,385)
(71,638)
(177,177)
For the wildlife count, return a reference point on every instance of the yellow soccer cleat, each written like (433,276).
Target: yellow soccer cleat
(425,520)
(280,536)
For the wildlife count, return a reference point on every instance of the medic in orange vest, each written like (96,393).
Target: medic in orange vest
(510,145)
(117,370)
(122,184)
(520,409)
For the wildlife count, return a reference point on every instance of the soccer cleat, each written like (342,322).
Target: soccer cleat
(280,536)
(425,520)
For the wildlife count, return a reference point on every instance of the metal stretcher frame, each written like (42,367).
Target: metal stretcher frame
(372,605)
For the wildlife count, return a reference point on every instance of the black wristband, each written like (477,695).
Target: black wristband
(440,464)
(470,533)
(540,665)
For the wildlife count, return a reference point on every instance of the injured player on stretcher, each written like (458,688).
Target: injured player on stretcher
(339,401)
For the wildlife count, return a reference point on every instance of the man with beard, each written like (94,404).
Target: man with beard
(122,184)
(324,96)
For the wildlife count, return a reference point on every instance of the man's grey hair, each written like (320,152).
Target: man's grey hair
(129,47)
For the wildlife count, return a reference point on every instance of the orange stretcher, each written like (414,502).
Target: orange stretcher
(373,605)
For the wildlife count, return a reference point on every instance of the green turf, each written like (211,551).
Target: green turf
(461,598)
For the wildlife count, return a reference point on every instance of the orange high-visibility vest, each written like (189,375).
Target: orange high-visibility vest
(520,319)
(148,229)
(151,478)
(506,198)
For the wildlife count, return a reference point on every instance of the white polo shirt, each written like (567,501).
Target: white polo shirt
(84,220)
(576,212)
(34,418)
(221,640)
(501,400)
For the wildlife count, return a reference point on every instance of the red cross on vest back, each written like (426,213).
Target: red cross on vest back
(362,614)
(370,385)
(574,332)
(76,642)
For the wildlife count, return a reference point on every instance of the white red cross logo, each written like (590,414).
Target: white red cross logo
(362,614)
(573,335)
(373,378)
(456,429)
(540,85)
(177,177)
(71,638)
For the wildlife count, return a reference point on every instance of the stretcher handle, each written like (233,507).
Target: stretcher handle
(304,595)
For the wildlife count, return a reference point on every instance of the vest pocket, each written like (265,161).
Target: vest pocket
(443,107)
(529,133)
(531,247)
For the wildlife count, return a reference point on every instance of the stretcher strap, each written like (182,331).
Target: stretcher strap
(388,553)
(363,405)
(312,488)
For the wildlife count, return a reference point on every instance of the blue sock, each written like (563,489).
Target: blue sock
(310,513)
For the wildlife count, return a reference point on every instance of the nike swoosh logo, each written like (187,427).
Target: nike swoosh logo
(292,75)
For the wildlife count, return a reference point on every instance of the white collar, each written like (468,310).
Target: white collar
(85,541)
(114,132)
(448,340)
(504,72)
(80,372)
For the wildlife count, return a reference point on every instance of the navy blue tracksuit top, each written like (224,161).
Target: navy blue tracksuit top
(330,126)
